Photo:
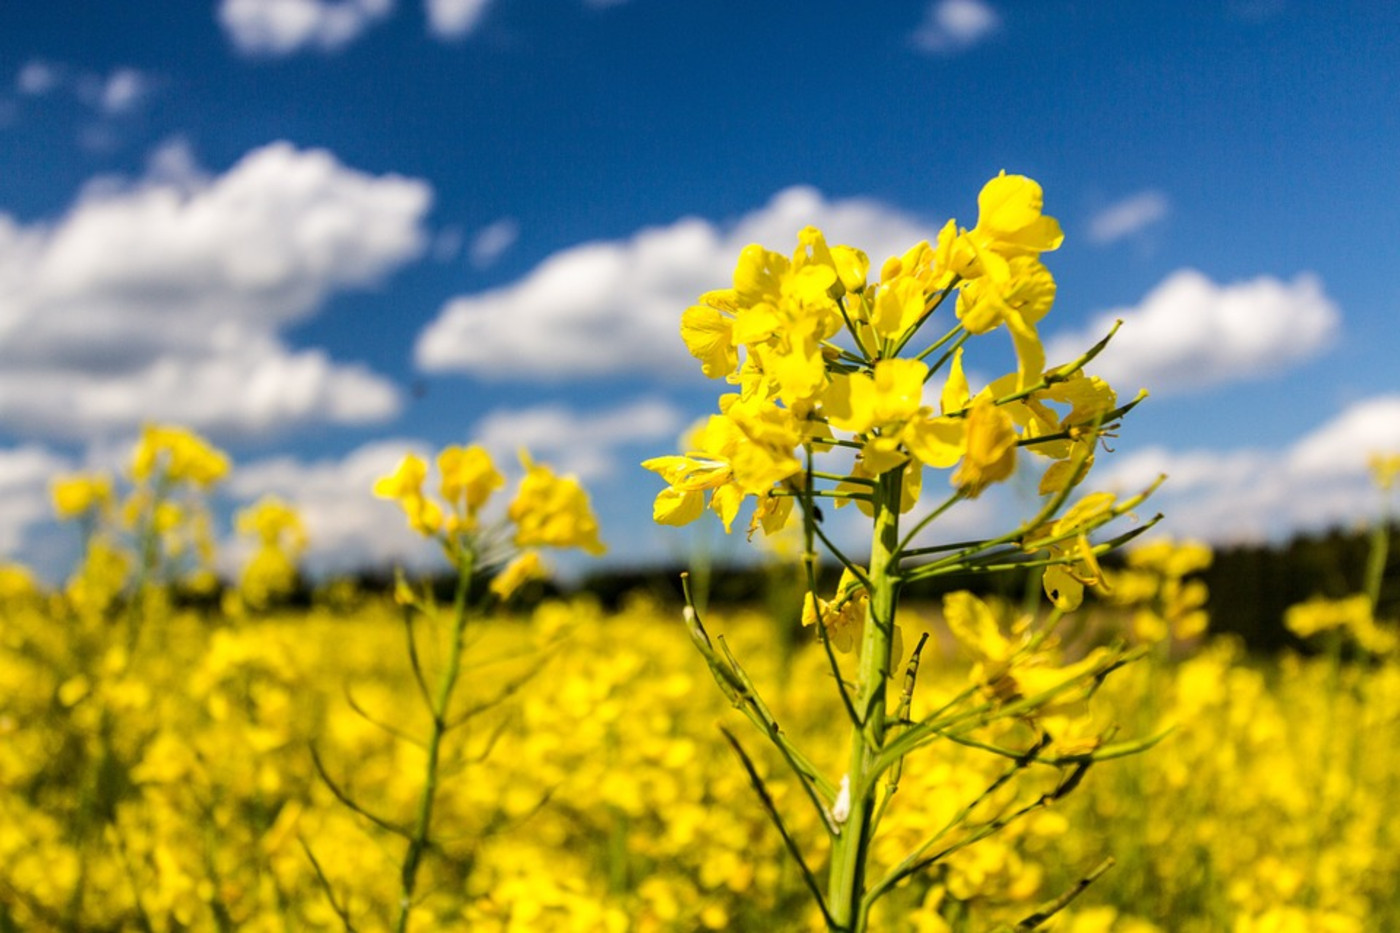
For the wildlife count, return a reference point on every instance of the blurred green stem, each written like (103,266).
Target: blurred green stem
(420,839)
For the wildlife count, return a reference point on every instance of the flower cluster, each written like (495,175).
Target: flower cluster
(1162,589)
(160,532)
(548,511)
(776,336)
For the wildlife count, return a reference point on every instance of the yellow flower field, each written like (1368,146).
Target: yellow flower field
(176,789)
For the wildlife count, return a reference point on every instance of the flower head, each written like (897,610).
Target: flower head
(553,511)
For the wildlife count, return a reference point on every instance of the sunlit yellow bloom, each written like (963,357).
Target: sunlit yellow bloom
(899,305)
(852,267)
(991,449)
(1010,221)
(1069,438)
(1067,540)
(1019,301)
(553,511)
(405,486)
(1004,666)
(676,506)
(81,493)
(746,450)
(709,335)
(468,478)
(526,566)
(179,455)
(844,615)
(889,396)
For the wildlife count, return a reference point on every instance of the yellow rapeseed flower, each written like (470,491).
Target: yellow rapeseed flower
(80,494)
(405,486)
(991,449)
(468,478)
(526,566)
(553,511)
(179,455)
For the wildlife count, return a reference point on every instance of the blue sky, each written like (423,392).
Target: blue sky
(326,231)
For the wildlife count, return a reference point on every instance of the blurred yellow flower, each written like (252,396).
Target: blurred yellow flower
(1384,469)
(553,511)
(526,566)
(405,486)
(468,478)
(81,493)
(179,455)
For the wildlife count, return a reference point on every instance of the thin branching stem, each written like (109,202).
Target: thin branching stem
(793,848)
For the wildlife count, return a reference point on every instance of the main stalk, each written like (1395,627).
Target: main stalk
(846,880)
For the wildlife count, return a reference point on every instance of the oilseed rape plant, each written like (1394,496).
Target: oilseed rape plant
(547,511)
(848,390)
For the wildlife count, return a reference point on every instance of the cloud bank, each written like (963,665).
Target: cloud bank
(164,299)
(1190,333)
(1251,494)
(283,27)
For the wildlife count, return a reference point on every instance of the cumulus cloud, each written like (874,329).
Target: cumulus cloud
(492,241)
(1128,216)
(453,19)
(577,442)
(605,308)
(1191,333)
(1230,496)
(283,27)
(953,25)
(164,299)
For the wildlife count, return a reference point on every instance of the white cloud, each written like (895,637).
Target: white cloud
(282,27)
(25,474)
(115,94)
(164,299)
(1247,494)
(1342,445)
(492,241)
(576,442)
(122,91)
(1128,216)
(1190,333)
(953,25)
(453,19)
(612,307)
(38,77)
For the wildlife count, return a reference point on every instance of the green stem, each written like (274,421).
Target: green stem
(1375,560)
(420,838)
(846,879)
